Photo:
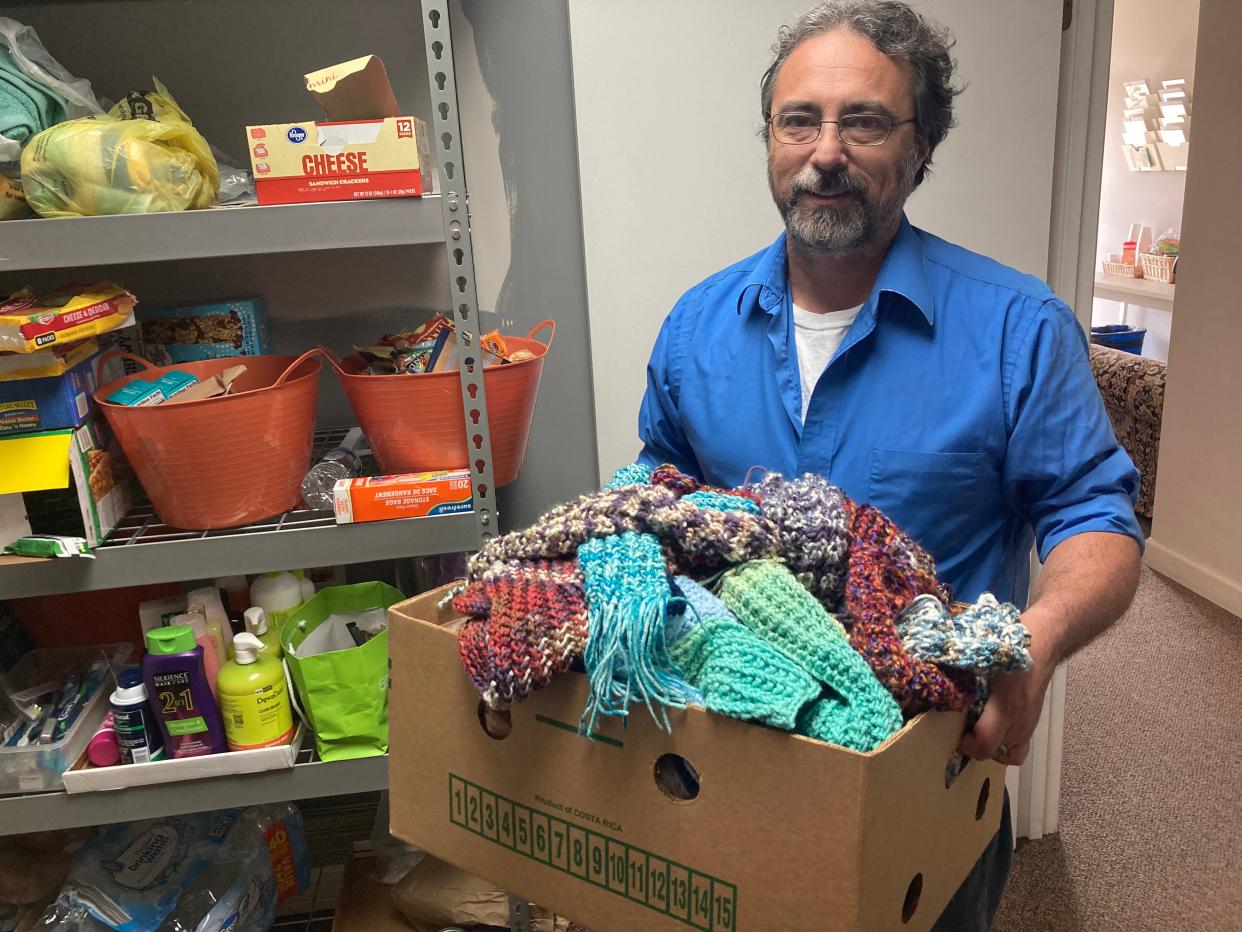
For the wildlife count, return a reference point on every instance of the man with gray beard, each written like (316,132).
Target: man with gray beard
(944,388)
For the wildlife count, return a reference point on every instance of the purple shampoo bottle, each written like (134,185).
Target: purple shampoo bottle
(179,693)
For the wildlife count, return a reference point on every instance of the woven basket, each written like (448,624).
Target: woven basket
(1123,269)
(1159,268)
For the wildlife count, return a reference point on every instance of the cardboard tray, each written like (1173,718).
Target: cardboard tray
(785,832)
(97,779)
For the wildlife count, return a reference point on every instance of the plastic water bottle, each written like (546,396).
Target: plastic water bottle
(341,463)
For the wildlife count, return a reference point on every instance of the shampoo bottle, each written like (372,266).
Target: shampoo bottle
(180,695)
(278,594)
(256,624)
(253,698)
(197,623)
(217,619)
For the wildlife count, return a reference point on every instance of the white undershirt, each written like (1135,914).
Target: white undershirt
(817,337)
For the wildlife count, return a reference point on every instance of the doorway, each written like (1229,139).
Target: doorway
(1147,141)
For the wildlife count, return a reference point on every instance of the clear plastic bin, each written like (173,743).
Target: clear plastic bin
(43,670)
(38,767)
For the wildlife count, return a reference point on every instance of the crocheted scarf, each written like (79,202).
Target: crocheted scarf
(591,579)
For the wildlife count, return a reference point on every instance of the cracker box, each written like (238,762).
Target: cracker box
(366,148)
(66,471)
(779,831)
(410,495)
(48,403)
(212,330)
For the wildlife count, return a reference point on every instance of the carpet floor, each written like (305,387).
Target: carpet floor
(1150,833)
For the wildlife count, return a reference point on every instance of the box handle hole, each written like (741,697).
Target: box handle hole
(676,777)
(911,903)
(497,723)
(982,805)
(955,768)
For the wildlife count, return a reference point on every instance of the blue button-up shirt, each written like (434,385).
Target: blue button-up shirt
(960,402)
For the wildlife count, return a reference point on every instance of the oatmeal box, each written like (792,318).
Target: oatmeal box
(193,332)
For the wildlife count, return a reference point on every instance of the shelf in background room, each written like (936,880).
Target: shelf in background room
(144,550)
(308,778)
(73,242)
(1141,291)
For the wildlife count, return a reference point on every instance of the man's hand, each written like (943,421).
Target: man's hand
(1087,582)
(1004,729)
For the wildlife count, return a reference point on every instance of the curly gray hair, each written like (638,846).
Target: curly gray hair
(900,33)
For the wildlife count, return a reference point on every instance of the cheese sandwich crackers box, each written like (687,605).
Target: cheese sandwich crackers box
(366,147)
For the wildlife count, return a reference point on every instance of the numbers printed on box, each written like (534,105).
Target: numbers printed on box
(699,900)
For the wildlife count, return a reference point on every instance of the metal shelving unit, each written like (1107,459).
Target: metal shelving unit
(221,231)
(306,779)
(142,550)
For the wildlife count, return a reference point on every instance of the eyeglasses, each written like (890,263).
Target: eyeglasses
(853,129)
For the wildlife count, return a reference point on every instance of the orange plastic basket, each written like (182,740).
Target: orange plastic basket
(220,462)
(414,422)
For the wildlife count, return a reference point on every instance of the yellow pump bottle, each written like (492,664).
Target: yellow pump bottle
(254,701)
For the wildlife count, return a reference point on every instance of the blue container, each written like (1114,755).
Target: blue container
(1120,337)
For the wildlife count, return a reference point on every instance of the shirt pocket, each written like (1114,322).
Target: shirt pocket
(936,498)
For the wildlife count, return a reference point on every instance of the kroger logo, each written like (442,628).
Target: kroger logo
(296,134)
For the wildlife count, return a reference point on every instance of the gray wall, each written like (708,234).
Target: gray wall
(524,56)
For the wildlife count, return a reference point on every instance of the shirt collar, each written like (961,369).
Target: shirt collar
(902,273)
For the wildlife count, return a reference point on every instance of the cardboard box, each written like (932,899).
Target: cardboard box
(210,330)
(85,466)
(366,147)
(410,495)
(51,403)
(365,904)
(785,832)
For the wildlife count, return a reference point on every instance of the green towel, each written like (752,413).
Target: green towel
(26,106)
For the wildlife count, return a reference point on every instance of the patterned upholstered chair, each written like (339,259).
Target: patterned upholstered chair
(1133,391)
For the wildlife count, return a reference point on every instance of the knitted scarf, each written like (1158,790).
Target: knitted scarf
(984,639)
(814,521)
(856,710)
(601,564)
(704,540)
(887,570)
(739,674)
(529,623)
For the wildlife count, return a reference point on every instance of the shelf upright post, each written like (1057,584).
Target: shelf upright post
(456,208)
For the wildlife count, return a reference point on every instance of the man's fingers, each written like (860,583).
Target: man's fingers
(1015,755)
(989,731)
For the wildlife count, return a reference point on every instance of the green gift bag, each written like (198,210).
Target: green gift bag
(342,686)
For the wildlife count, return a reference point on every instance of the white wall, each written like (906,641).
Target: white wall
(1148,43)
(1196,535)
(663,208)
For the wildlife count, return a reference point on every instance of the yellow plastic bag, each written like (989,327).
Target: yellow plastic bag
(144,156)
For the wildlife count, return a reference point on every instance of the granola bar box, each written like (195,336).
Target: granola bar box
(194,332)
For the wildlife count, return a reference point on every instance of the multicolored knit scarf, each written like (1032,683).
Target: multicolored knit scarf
(702,540)
(529,623)
(985,638)
(814,519)
(887,570)
(591,579)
